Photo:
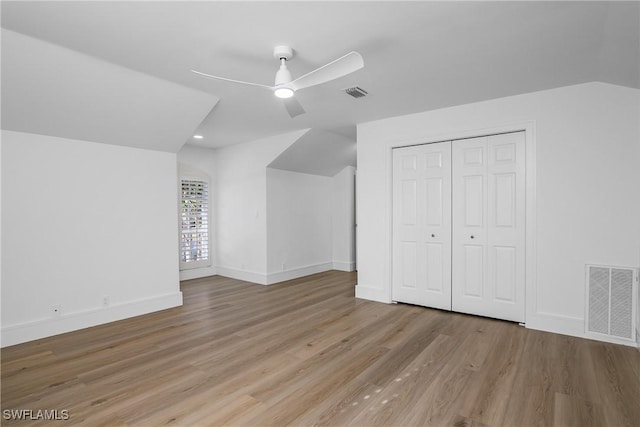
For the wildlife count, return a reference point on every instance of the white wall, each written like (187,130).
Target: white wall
(241,220)
(1,239)
(263,218)
(298,224)
(587,154)
(82,221)
(343,223)
(201,162)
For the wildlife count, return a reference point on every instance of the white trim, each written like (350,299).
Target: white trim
(196,273)
(294,273)
(274,277)
(559,324)
(372,294)
(29,331)
(609,338)
(566,325)
(528,127)
(244,275)
(194,176)
(344,265)
(191,265)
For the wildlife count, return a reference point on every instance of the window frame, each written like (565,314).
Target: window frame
(187,265)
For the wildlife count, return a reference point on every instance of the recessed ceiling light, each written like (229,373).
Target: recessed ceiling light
(197,137)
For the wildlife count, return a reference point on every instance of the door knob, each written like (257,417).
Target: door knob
(433,235)
(472,236)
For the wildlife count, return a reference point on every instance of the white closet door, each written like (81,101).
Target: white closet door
(488,226)
(422,225)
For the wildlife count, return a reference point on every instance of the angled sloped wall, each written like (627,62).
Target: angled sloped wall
(51,90)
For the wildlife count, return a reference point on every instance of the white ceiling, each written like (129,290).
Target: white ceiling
(418,55)
(51,90)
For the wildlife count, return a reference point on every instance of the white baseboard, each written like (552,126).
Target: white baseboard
(274,277)
(294,273)
(247,276)
(572,326)
(344,265)
(558,324)
(196,273)
(29,331)
(372,294)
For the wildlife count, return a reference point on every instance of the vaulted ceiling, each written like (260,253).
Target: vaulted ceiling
(418,56)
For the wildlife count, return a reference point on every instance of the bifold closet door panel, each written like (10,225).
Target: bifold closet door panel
(422,225)
(488,184)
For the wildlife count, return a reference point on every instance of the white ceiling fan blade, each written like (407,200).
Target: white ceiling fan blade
(231,80)
(342,66)
(293,107)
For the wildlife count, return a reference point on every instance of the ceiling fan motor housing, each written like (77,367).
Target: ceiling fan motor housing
(283,53)
(280,52)
(283,76)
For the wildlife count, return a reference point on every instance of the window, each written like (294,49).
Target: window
(194,223)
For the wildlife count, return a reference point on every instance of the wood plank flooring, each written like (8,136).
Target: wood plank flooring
(306,352)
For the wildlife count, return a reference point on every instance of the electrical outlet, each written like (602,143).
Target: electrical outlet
(106,301)
(283,267)
(55,310)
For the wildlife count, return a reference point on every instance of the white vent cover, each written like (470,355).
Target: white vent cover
(611,302)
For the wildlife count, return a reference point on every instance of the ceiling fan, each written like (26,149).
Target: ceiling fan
(285,86)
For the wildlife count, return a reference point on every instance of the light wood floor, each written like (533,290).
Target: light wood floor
(307,352)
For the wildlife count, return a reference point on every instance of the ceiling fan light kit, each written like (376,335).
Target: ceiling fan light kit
(283,92)
(283,76)
(285,86)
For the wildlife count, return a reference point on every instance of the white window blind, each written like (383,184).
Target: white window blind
(194,221)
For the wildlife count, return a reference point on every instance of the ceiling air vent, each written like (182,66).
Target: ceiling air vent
(356,92)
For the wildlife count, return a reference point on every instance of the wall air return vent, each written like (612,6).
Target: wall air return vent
(611,297)
(356,92)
